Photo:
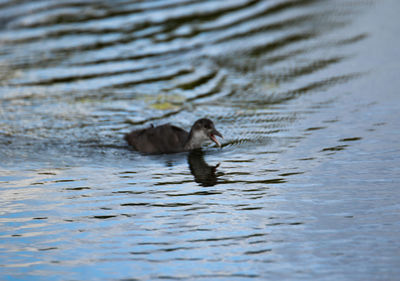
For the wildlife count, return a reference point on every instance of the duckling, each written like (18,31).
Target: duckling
(168,138)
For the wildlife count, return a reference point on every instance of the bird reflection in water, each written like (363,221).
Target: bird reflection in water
(203,173)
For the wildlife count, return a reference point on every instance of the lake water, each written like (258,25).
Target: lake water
(305,187)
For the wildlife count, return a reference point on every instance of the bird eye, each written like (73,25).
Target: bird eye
(207,126)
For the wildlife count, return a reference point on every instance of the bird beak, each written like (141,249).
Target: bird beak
(214,133)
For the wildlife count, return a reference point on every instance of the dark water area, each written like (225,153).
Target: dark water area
(305,186)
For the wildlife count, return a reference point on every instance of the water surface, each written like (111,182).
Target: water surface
(305,186)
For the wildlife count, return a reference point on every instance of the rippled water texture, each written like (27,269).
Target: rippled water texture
(305,187)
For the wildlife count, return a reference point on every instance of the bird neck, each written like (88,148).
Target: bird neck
(195,140)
